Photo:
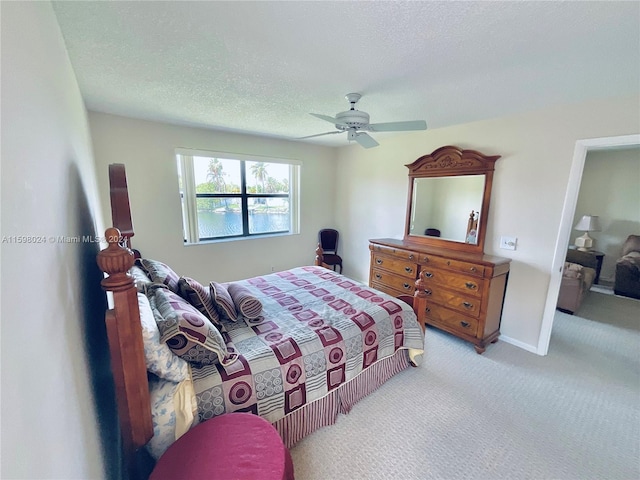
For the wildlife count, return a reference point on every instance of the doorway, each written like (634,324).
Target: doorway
(571,198)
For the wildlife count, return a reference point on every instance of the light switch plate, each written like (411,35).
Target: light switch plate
(508,243)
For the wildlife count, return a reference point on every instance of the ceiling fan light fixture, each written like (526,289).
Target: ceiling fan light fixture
(352,119)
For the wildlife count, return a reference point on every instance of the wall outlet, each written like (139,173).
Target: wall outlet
(273,269)
(508,243)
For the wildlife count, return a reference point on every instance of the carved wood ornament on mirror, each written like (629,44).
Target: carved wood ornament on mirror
(456,166)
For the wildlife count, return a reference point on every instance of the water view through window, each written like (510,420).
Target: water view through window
(237,197)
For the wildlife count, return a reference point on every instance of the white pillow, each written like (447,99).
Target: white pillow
(174,411)
(158,356)
(140,278)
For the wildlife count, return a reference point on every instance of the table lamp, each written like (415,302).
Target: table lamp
(588,223)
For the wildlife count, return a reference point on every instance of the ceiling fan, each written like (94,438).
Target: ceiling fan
(356,124)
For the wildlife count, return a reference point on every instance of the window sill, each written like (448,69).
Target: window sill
(239,239)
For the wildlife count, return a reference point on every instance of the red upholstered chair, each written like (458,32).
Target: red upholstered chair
(328,240)
(232,446)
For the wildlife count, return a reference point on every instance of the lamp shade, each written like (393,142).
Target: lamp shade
(588,223)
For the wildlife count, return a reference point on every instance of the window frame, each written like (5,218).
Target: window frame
(189,196)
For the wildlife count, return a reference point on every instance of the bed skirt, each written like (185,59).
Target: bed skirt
(323,412)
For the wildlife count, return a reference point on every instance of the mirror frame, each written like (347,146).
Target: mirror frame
(450,161)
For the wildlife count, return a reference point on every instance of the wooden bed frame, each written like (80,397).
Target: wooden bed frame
(124,329)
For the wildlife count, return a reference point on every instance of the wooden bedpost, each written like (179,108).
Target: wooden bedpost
(319,259)
(120,208)
(127,350)
(420,300)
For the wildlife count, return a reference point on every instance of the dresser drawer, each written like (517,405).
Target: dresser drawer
(396,282)
(386,289)
(396,253)
(451,320)
(456,265)
(465,283)
(464,303)
(391,264)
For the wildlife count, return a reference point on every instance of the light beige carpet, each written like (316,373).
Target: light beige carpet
(506,414)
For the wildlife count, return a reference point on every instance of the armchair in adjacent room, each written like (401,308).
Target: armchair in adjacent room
(577,277)
(627,281)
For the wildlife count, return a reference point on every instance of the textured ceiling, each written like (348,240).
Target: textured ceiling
(261,67)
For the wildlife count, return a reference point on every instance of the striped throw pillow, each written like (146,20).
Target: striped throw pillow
(198,296)
(245,302)
(161,273)
(223,301)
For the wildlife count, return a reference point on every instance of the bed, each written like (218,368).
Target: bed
(305,346)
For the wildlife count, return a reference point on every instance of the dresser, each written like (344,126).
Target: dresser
(461,293)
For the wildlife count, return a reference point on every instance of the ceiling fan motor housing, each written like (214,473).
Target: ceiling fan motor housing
(352,119)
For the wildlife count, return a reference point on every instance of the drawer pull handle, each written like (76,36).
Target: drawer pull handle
(428,274)
(378,261)
(427,291)
(425,260)
(406,286)
(427,310)
(448,262)
(378,276)
(465,324)
(408,269)
(467,305)
(471,285)
(411,257)
(473,269)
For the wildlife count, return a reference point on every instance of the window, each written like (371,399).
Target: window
(228,196)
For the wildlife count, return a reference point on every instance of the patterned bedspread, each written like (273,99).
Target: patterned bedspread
(318,330)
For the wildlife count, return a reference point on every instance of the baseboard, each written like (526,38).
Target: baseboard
(604,289)
(519,344)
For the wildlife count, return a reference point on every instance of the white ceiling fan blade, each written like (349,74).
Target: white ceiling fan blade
(398,126)
(320,134)
(326,118)
(365,140)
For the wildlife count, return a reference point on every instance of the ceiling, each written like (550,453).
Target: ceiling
(262,67)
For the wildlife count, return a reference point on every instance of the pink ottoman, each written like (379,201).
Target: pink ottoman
(234,446)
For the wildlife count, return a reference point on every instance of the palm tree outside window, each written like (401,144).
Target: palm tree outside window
(224,197)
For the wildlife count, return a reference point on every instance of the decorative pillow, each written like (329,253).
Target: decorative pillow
(572,270)
(223,301)
(161,273)
(159,359)
(200,297)
(245,302)
(188,333)
(140,278)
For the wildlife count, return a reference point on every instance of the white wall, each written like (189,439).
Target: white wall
(52,304)
(148,151)
(610,188)
(529,187)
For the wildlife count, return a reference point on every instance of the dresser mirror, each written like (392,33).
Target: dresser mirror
(442,206)
(448,202)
